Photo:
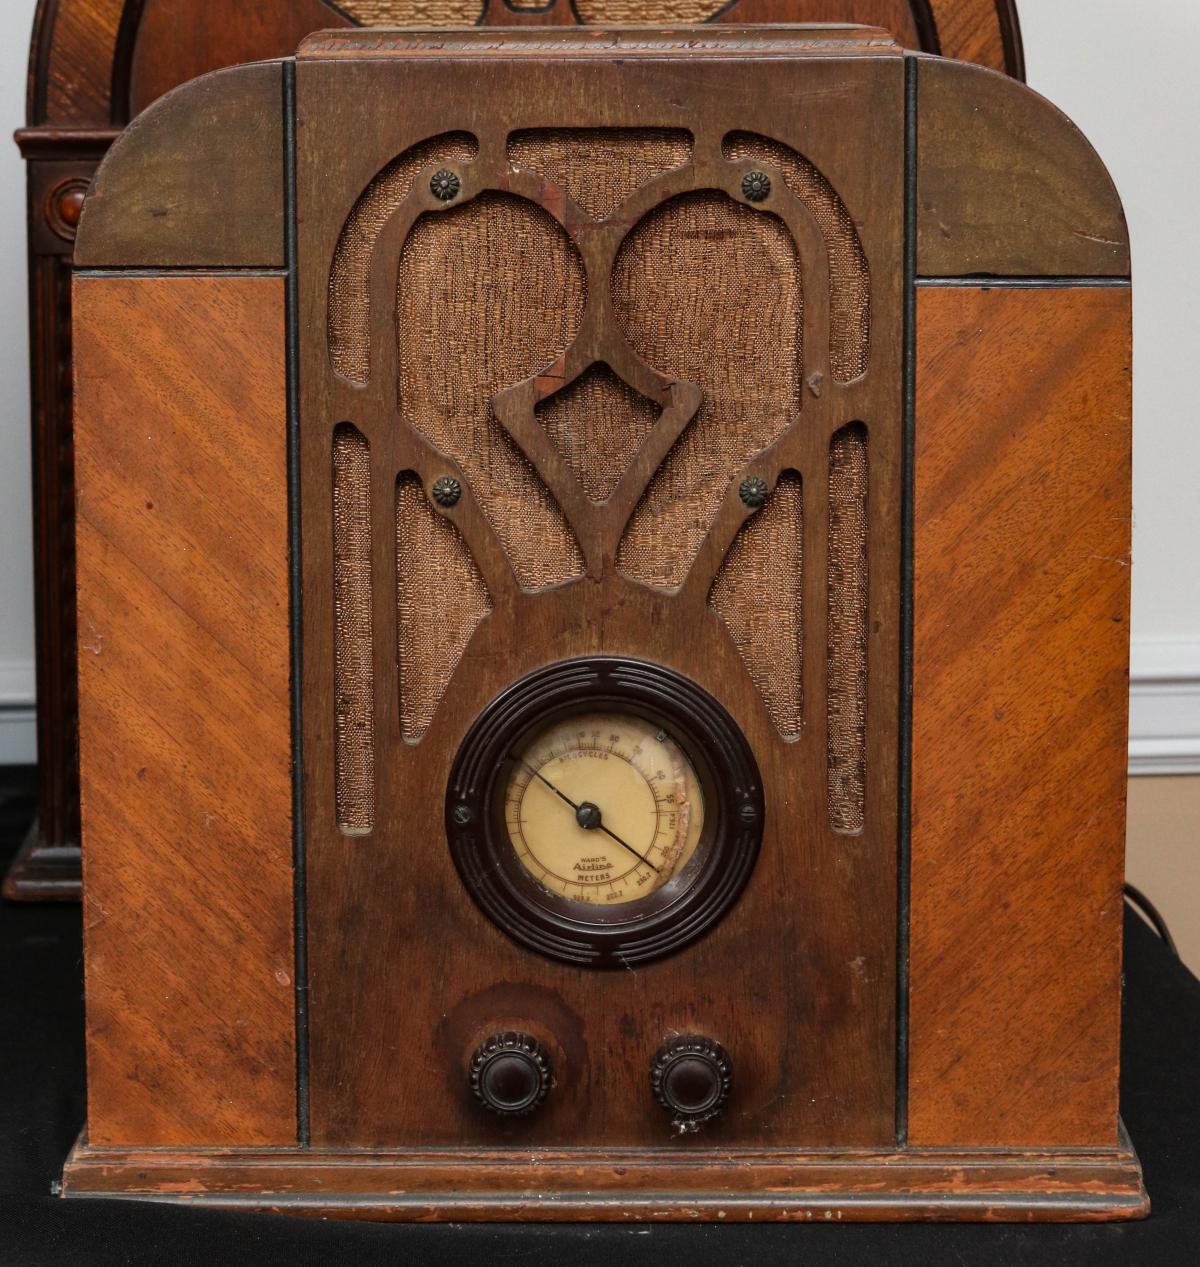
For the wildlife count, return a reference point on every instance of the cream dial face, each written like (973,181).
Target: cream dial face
(603,807)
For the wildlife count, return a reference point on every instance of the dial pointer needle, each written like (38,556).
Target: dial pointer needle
(631,849)
(537,774)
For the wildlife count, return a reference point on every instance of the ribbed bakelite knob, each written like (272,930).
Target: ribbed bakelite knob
(691,1078)
(510,1073)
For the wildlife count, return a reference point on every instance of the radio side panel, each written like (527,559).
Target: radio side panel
(185,720)
(1020,700)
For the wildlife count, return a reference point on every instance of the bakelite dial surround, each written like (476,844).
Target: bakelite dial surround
(701,887)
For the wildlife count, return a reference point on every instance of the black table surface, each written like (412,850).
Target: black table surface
(41,1108)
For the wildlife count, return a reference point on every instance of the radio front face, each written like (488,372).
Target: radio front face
(600,515)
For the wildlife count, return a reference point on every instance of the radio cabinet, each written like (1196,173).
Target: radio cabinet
(603,633)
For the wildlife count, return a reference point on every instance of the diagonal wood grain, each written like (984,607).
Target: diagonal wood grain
(184,717)
(1019,716)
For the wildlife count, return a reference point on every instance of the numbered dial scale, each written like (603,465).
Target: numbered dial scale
(604,811)
(603,807)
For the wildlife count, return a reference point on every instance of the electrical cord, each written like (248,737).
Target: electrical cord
(1142,904)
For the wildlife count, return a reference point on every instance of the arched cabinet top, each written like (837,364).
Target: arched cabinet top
(1007,186)
(195,181)
(95,64)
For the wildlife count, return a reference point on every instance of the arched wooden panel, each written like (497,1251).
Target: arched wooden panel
(167,42)
(83,49)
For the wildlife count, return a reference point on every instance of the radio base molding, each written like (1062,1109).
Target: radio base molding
(630,1186)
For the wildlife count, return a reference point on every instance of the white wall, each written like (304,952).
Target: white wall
(17,741)
(1127,76)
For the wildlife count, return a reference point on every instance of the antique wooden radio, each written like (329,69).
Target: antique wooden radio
(603,588)
(95,65)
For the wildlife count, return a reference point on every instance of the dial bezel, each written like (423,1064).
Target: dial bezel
(592,934)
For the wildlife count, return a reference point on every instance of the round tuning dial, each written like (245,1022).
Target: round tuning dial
(691,1078)
(510,1074)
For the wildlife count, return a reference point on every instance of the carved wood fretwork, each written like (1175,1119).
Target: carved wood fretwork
(644,289)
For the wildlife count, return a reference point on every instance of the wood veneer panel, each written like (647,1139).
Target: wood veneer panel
(80,45)
(178,40)
(184,718)
(975,32)
(1007,185)
(195,181)
(1019,716)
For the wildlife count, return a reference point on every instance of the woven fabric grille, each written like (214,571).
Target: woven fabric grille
(350,275)
(708,290)
(413,12)
(440,600)
(847,650)
(639,12)
(468,12)
(849,276)
(598,423)
(600,167)
(759,594)
(490,294)
(353,675)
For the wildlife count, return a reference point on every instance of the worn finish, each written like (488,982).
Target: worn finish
(1020,691)
(1008,186)
(1021,516)
(1085,1186)
(157,206)
(94,64)
(185,768)
(809,948)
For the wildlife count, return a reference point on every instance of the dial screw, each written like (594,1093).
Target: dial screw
(691,1077)
(756,186)
(446,490)
(754,491)
(463,814)
(444,185)
(510,1074)
(749,814)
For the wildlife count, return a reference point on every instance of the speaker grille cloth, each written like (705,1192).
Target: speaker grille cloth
(849,278)
(490,294)
(468,12)
(354,675)
(598,423)
(759,594)
(413,12)
(639,12)
(349,277)
(847,650)
(600,167)
(707,290)
(440,599)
